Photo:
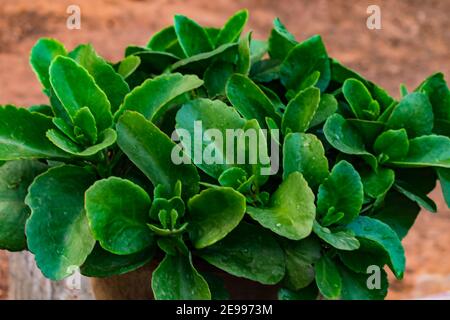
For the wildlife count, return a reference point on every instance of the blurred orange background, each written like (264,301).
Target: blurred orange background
(413,43)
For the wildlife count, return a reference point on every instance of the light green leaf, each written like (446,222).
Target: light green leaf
(300,111)
(85,121)
(341,240)
(414,113)
(343,137)
(379,232)
(15,177)
(328,278)
(305,58)
(128,65)
(343,191)
(249,252)
(291,210)
(191,36)
(57,231)
(137,138)
(42,55)
(153,97)
(249,99)
(433,151)
(22,135)
(117,210)
(244,62)
(359,99)
(76,89)
(176,279)
(281,41)
(111,83)
(166,40)
(213,214)
(232,30)
(304,153)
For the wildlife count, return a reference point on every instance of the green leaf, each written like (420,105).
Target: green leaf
(117,210)
(166,40)
(249,252)
(369,130)
(377,184)
(42,55)
(191,36)
(359,99)
(176,279)
(355,286)
(15,177)
(233,177)
(109,81)
(106,139)
(101,263)
(137,138)
(343,191)
(128,65)
(86,122)
(343,137)
(76,89)
(153,97)
(281,41)
(414,113)
(216,78)
(213,214)
(213,115)
(291,210)
(244,63)
(300,111)
(300,255)
(153,62)
(379,232)
(249,99)
(392,143)
(43,109)
(398,212)
(232,30)
(433,151)
(328,278)
(217,286)
(303,152)
(415,195)
(305,58)
(22,135)
(258,49)
(341,240)
(438,92)
(444,179)
(368,254)
(58,231)
(327,106)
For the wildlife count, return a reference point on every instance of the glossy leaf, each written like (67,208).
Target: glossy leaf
(305,58)
(343,191)
(327,106)
(213,214)
(359,99)
(166,40)
(377,184)
(153,97)
(379,232)
(414,113)
(117,210)
(343,137)
(232,29)
(85,121)
(392,143)
(111,83)
(300,111)
(137,138)
(191,36)
(281,41)
(76,89)
(291,210)
(328,278)
(304,153)
(59,234)
(42,55)
(15,178)
(341,240)
(249,252)
(176,279)
(22,135)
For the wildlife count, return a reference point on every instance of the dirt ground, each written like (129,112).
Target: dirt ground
(413,43)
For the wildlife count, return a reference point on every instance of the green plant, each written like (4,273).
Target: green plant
(89,180)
